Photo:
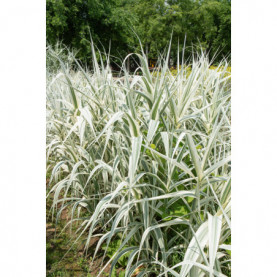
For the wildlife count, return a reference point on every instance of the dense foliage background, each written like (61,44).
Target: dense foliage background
(116,23)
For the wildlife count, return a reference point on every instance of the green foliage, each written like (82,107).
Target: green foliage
(72,22)
(176,210)
(111,250)
(83,264)
(116,23)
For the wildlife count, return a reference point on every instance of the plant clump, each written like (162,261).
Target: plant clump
(142,163)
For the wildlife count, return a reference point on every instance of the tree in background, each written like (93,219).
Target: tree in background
(211,24)
(115,23)
(73,21)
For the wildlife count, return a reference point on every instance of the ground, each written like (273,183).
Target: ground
(75,262)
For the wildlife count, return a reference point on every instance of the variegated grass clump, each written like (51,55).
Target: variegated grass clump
(144,160)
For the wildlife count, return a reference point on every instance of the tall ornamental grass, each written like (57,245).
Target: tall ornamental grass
(143,162)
